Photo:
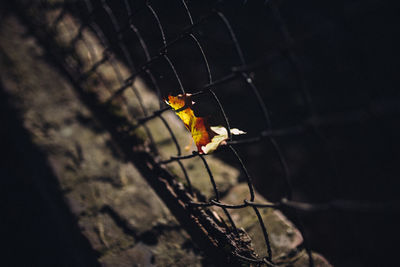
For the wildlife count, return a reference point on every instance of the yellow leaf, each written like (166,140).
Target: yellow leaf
(206,138)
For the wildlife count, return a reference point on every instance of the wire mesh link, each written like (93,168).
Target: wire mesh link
(241,72)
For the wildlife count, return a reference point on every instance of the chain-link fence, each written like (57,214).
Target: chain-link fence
(192,47)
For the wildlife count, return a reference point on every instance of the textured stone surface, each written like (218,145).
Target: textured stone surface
(282,234)
(120,215)
(284,237)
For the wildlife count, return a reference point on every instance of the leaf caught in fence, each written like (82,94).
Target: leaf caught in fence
(206,138)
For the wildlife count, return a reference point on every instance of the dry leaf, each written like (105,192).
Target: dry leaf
(206,138)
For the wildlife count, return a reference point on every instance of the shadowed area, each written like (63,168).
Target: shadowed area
(36,227)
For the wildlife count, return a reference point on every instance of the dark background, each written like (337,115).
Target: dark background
(336,78)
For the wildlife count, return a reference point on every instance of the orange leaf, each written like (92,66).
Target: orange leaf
(206,138)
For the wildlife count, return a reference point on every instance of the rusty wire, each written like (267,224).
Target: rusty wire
(242,72)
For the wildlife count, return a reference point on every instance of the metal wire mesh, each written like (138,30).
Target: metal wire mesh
(114,25)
